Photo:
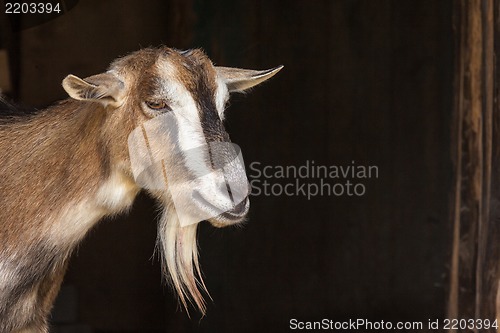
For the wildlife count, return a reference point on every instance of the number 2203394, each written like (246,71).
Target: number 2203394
(32,8)
(471,324)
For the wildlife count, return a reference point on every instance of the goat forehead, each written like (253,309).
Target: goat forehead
(197,75)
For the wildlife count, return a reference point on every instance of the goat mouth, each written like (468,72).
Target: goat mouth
(233,216)
(225,214)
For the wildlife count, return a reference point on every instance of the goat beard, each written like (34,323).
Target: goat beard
(179,255)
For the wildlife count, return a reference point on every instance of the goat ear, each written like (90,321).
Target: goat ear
(105,88)
(239,80)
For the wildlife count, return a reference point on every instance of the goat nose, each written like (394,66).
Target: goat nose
(241,208)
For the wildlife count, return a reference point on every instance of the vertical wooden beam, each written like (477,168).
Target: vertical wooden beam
(487,262)
(468,163)
(475,255)
(456,151)
(495,193)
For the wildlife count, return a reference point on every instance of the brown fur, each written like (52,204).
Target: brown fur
(35,176)
(55,164)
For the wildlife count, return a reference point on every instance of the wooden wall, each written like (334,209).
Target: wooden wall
(474,273)
(369,81)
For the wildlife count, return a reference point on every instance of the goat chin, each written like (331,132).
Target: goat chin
(179,251)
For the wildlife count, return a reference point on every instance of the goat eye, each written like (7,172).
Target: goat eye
(157,105)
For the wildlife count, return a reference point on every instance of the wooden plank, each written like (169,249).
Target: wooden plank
(468,134)
(456,155)
(494,216)
(475,209)
(487,260)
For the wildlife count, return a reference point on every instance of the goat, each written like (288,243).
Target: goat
(66,167)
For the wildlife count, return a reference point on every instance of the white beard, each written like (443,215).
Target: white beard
(179,251)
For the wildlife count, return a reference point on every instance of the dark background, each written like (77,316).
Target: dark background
(368,81)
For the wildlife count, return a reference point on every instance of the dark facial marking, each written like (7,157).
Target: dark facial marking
(199,77)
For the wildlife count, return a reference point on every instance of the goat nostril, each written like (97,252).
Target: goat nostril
(241,207)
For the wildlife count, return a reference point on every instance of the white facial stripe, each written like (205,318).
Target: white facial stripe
(190,134)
